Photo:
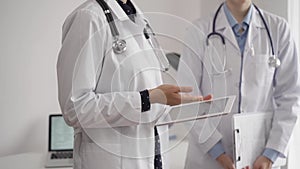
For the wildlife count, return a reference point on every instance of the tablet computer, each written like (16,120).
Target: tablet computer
(197,110)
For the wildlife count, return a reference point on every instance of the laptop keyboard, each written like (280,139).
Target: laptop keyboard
(62,155)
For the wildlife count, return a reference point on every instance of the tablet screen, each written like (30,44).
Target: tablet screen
(197,110)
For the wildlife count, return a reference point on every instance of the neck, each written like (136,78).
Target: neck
(239,10)
(124,1)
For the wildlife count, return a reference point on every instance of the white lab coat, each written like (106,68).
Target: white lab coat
(110,130)
(263,89)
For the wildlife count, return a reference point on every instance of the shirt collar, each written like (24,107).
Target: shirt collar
(232,21)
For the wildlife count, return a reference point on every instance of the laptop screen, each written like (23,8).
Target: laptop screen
(61,135)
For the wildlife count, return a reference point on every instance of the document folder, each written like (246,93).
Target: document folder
(251,132)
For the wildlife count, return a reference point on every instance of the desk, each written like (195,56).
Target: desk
(24,161)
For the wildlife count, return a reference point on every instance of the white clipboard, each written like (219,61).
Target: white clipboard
(197,110)
(251,132)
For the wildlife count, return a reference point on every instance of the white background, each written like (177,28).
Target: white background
(30,35)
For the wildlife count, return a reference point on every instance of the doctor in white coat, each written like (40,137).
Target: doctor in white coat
(109,97)
(242,69)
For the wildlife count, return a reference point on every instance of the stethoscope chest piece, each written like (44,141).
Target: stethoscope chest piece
(119,46)
(274,61)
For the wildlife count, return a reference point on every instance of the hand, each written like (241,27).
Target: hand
(262,162)
(225,161)
(170,95)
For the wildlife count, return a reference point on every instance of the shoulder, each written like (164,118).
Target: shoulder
(196,35)
(199,28)
(279,29)
(275,21)
(203,23)
(90,7)
(272,17)
(89,11)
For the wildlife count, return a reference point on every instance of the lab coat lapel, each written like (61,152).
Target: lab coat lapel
(223,27)
(122,16)
(255,25)
(132,28)
(140,15)
(119,13)
(138,10)
(117,10)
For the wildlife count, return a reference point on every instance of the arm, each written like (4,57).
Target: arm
(286,98)
(271,154)
(218,153)
(286,93)
(83,48)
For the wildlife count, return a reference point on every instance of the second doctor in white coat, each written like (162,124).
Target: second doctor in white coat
(99,90)
(258,86)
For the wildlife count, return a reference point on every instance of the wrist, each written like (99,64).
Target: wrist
(152,96)
(156,96)
(271,154)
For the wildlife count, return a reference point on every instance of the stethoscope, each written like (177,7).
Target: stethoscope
(273,60)
(119,46)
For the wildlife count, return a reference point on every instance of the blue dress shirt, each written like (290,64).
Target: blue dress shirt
(241,37)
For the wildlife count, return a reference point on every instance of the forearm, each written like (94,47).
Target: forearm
(91,110)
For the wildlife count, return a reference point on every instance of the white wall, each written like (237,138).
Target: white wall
(293,18)
(30,40)
(294,21)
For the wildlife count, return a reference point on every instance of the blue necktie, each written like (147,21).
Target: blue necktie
(157,157)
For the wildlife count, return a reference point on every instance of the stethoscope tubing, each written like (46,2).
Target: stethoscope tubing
(222,37)
(267,28)
(119,45)
(109,18)
(273,60)
(214,28)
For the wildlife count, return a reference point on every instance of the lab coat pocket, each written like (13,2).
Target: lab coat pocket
(263,71)
(101,156)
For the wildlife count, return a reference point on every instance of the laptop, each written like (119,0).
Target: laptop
(197,111)
(60,143)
